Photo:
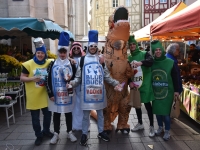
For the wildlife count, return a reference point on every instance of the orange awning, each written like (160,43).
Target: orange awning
(144,33)
(185,24)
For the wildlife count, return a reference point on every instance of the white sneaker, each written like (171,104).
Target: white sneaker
(55,138)
(71,136)
(166,136)
(159,130)
(151,131)
(138,127)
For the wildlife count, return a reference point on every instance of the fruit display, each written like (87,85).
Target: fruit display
(190,75)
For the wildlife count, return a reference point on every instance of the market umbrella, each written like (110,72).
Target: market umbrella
(19,27)
(144,33)
(185,24)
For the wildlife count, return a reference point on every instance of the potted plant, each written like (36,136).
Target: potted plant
(7,99)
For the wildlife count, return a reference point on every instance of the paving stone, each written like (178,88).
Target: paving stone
(123,140)
(137,134)
(138,146)
(13,142)
(10,147)
(196,137)
(148,139)
(5,129)
(135,140)
(126,146)
(13,136)
(79,147)
(26,142)
(24,128)
(175,145)
(156,145)
(97,146)
(194,145)
(24,122)
(183,138)
(27,136)
(4,135)
(29,147)
(181,132)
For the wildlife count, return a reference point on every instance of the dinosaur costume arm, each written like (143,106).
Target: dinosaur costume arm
(108,79)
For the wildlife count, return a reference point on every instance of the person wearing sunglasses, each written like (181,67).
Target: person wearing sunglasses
(91,77)
(76,52)
(60,72)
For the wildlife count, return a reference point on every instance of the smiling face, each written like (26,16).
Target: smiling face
(132,46)
(93,49)
(76,50)
(40,55)
(62,53)
(158,53)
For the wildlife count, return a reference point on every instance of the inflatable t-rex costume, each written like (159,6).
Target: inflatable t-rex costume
(115,56)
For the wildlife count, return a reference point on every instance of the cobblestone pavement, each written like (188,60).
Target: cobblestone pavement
(185,135)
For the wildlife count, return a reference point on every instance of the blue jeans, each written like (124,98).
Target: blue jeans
(86,117)
(35,114)
(165,119)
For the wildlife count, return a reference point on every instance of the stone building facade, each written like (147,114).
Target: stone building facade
(69,14)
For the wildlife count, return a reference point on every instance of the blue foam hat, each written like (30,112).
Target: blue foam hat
(63,39)
(42,48)
(93,37)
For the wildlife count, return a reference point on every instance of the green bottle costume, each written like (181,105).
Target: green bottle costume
(162,82)
(145,88)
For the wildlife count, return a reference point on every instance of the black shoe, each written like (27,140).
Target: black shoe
(38,141)
(49,134)
(103,136)
(84,139)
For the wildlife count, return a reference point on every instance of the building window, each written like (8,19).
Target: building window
(128,3)
(146,1)
(97,5)
(115,3)
(163,1)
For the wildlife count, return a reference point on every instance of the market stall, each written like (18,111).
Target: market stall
(184,25)
(144,33)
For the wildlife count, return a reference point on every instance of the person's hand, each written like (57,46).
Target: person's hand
(52,99)
(118,88)
(131,85)
(73,61)
(137,64)
(176,94)
(68,85)
(101,59)
(36,79)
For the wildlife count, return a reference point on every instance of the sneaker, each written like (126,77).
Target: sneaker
(159,130)
(84,139)
(103,136)
(151,131)
(138,127)
(166,136)
(38,141)
(55,138)
(71,136)
(49,134)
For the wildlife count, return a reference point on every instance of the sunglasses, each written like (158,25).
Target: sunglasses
(93,46)
(76,48)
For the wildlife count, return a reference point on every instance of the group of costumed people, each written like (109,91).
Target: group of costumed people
(93,83)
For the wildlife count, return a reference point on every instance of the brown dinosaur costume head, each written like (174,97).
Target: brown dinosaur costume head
(118,34)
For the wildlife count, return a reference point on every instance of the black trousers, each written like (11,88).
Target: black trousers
(149,111)
(56,121)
